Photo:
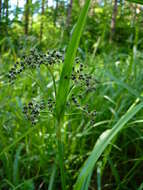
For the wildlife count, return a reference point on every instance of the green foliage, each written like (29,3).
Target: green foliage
(63,88)
(97,87)
(136,1)
(103,141)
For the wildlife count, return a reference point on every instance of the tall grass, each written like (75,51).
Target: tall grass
(117,96)
(103,141)
(63,88)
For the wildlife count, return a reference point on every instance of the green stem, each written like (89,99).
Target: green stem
(61,155)
(54,82)
(51,183)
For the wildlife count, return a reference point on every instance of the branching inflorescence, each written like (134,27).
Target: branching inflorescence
(34,60)
(82,83)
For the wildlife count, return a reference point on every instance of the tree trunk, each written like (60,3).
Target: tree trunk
(3,9)
(6,14)
(113,21)
(31,17)
(42,20)
(69,14)
(27,17)
(56,11)
(0,8)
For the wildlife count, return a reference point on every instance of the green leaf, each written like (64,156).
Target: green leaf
(102,142)
(16,165)
(7,148)
(136,1)
(53,174)
(63,88)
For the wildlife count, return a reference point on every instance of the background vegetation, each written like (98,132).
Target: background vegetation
(105,83)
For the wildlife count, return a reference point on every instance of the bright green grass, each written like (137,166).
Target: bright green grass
(27,155)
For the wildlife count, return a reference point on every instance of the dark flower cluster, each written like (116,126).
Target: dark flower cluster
(51,104)
(83,81)
(87,84)
(34,60)
(15,71)
(32,111)
(84,108)
(54,57)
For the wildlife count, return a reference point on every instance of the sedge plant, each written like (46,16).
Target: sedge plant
(61,95)
(32,110)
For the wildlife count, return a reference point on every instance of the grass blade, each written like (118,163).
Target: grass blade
(63,88)
(136,1)
(103,141)
(16,165)
(7,148)
(51,183)
(69,61)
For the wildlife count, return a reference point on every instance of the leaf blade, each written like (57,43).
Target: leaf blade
(69,61)
(102,142)
(136,1)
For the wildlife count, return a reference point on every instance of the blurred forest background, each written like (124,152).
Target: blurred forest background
(49,23)
(111,48)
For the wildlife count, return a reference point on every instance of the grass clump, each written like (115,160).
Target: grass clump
(71,118)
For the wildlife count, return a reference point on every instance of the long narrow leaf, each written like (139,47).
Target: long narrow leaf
(69,61)
(16,165)
(136,1)
(103,141)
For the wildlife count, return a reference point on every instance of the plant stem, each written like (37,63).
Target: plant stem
(51,183)
(53,78)
(61,154)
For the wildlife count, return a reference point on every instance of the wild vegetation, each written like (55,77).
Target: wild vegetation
(71,95)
